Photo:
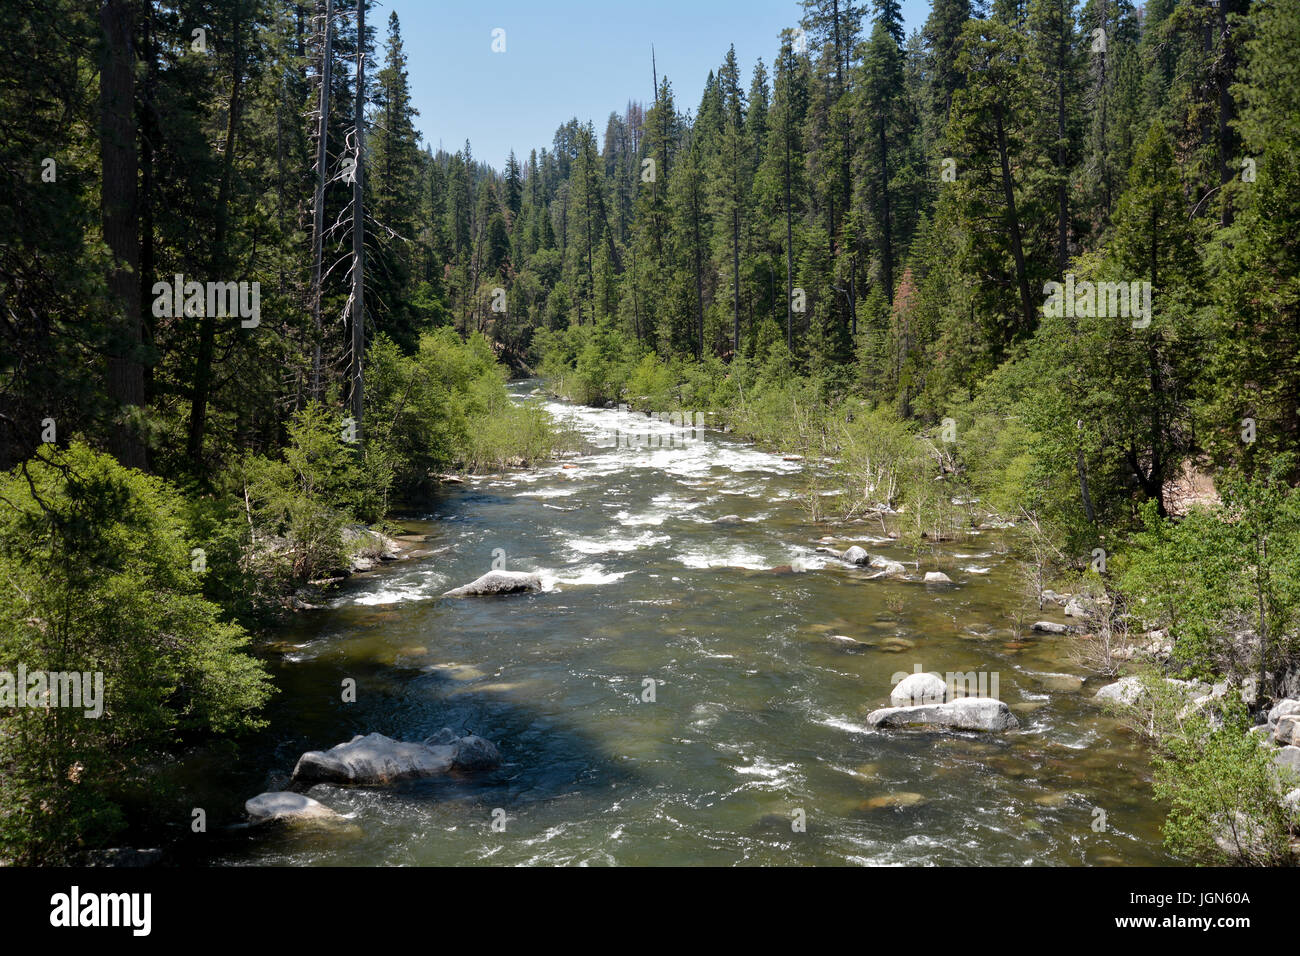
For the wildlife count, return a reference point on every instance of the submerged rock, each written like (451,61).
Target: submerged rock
(498,582)
(896,645)
(375,759)
(1063,683)
(475,753)
(886,565)
(966,713)
(285,807)
(892,801)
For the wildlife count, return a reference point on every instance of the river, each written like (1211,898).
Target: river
(761,680)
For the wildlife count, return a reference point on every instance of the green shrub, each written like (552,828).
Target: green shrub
(321,483)
(446,406)
(1223,790)
(1233,570)
(95,576)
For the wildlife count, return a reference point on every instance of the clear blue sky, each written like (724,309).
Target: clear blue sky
(567,58)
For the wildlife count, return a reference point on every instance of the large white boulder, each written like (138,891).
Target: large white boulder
(1128,690)
(375,759)
(919,689)
(965,713)
(498,582)
(1283,708)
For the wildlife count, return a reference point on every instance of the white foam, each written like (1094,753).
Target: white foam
(394,591)
(845,725)
(616,545)
(733,557)
(548,493)
(630,520)
(589,574)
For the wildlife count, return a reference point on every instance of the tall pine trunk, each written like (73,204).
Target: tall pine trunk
(220,262)
(1013,221)
(359,231)
(318,211)
(120,214)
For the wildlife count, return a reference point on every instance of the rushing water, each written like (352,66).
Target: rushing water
(765,657)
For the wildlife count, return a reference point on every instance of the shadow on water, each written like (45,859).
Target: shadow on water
(544,758)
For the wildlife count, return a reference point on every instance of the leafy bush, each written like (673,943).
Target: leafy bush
(1225,582)
(95,576)
(321,483)
(1224,792)
(652,384)
(447,406)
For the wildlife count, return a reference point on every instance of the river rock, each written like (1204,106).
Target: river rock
(475,753)
(1063,683)
(886,565)
(286,807)
(472,752)
(1077,607)
(1049,627)
(937,577)
(1241,839)
(498,582)
(966,713)
(1128,690)
(855,555)
(1288,758)
(893,801)
(896,645)
(919,689)
(366,547)
(375,759)
(1282,709)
